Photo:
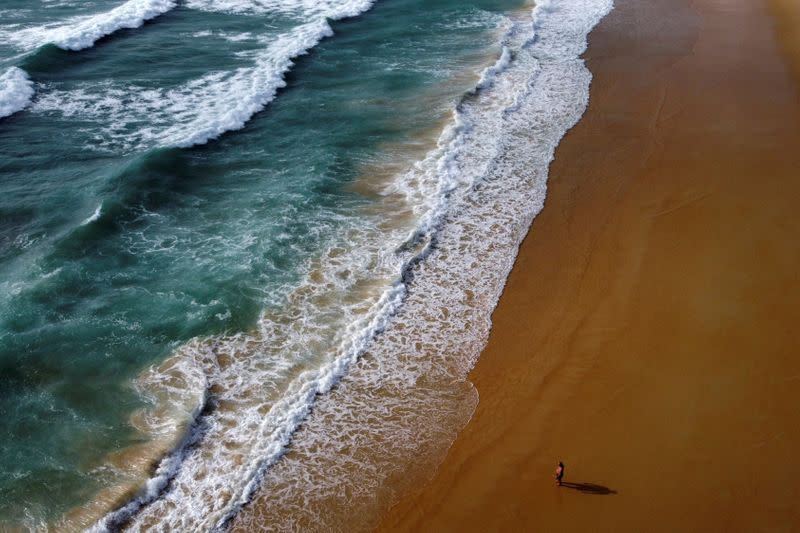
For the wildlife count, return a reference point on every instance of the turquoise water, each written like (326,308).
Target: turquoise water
(153,192)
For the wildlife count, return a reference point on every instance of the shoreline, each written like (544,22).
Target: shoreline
(644,334)
(113,503)
(390,420)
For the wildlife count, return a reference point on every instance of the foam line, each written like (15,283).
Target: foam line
(491,73)
(304,8)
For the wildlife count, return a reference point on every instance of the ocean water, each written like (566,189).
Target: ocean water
(249,249)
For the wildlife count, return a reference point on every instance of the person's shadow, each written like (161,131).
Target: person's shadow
(588,488)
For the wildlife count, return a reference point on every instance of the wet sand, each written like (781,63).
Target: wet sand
(787,17)
(646,336)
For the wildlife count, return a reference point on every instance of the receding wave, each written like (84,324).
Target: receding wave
(16,91)
(82,32)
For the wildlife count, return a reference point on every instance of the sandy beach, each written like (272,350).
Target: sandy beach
(787,19)
(646,336)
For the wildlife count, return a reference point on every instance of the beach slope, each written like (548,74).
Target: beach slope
(647,334)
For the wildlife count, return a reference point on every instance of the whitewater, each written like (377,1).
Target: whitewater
(195,113)
(83,32)
(16,91)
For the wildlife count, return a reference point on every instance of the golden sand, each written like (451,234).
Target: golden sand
(787,19)
(647,335)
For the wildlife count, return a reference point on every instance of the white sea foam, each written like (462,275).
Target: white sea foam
(82,32)
(202,109)
(16,91)
(94,216)
(265,383)
(491,73)
(298,8)
(416,293)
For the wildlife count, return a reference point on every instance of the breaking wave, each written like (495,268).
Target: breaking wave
(82,32)
(16,91)
(202,109)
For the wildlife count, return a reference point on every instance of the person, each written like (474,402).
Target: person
(559,472)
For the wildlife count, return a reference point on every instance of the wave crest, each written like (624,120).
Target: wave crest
(16,91)
(82,32)
(202,109)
